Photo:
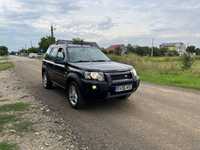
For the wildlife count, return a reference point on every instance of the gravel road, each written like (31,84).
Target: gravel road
(154,118)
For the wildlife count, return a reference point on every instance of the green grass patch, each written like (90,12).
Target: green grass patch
(6,65)
(17,124)
(23,126)
(5,119)
(19,106)
(180,80)
(163,70)
(3,58)
(8,146)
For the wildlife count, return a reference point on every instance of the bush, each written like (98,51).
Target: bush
(3,51)
(187,61)
(172,53)
(159,51)
(33,50)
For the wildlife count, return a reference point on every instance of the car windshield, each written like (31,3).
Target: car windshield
(86,54)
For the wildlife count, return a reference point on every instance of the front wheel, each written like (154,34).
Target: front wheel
(74,96)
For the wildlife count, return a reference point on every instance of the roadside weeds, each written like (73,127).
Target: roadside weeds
(28,124)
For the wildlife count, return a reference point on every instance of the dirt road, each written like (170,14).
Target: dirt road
(154,118)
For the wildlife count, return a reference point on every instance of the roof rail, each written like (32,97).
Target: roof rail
(64,42)
(81,43)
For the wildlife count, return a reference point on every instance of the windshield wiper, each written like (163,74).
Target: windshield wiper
(81,61)
(100,60)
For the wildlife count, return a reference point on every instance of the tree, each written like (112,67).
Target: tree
(143,51)
(3,51)
(159,51)
(77,41)
(45,42)
(191,49)
(33,50)
(23,52)
(197,51)
(13,53)
(130,48)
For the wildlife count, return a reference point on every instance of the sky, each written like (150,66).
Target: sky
(107,22)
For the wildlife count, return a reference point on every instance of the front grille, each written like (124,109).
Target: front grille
(121,76)
(117,79)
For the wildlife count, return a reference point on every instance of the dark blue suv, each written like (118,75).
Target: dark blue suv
(86,72)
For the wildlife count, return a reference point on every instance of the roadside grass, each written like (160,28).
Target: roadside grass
(3,58)
(14,122)
(8,146)
(6,119)
(163,70)
(6,65)
(19,106)
(23,126)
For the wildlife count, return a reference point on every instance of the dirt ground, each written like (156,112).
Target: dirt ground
(49,131)
(154,118)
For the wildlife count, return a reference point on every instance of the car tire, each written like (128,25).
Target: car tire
(74,96)
(46,82)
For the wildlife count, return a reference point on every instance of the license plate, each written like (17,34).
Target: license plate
(122,88)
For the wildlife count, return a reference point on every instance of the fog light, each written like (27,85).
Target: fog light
(94,87)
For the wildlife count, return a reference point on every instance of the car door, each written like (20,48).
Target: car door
(46,63)
(60,67)
(51,63)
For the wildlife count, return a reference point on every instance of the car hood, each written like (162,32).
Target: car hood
(102,66)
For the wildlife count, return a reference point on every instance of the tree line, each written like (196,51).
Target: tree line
(148,51)
(139,50)
(42,48)
(44,44)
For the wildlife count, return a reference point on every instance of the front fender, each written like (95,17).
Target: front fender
(73,77)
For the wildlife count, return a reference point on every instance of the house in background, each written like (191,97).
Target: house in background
(178,47)
(118,49)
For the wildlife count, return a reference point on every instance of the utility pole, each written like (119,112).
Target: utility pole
(152,47)
(52,32)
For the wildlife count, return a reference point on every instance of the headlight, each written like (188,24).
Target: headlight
(94,76)
(133,71)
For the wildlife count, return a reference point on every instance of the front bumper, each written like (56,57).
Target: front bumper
(106,89)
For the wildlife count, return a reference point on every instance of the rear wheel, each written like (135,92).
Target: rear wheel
(47,84)
(74,96)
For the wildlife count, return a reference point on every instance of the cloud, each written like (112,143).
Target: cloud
(104,21)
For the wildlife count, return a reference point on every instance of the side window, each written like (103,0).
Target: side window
(53,53)
(61,55)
